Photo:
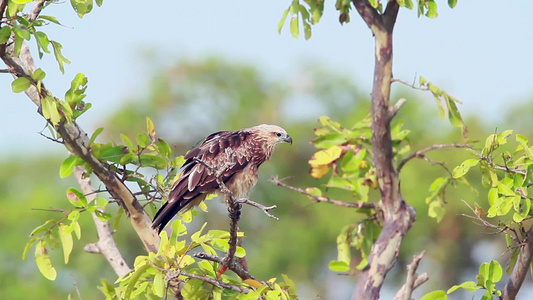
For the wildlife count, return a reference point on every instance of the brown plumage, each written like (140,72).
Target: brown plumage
(249,148)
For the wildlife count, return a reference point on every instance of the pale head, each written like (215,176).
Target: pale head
(272,134)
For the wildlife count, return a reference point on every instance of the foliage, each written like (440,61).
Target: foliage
(345,153)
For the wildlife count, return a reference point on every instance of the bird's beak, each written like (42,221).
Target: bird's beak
(287,139)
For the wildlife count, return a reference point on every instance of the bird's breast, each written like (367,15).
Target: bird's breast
(242,182)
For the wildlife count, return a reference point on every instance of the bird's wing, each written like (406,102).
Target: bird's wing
(196,180)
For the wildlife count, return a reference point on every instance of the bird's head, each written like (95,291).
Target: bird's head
(273,134)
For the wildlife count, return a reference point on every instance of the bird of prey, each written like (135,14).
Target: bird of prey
(241,152)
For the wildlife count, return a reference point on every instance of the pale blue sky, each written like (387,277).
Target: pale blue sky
(480,52)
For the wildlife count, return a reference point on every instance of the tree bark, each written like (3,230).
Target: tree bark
(396,215)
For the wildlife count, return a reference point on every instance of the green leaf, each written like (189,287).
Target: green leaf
(47,225)
(38,75)
(59,56)
(461,170)
(28,247)
(343,248)
(467,285)
(436,210)
(159,285)
(95,134)
(66,241)
(42,42)
(68,165)
(452,3)
(49,109)
(76,198)
(20,84)
(295,31)
(435,295)
(50,18)
(432,9)
(5,33)
(282,21)
(491,271)
(134,278)
(338,266)
(505,190)
(82,7)
(42,258)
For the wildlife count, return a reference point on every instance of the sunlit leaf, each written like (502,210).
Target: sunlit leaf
(435,295)
(66,241)
(20,84)
(42,258)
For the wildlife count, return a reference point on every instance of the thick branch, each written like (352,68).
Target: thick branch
(369,14)
(398,216)
(106,244)
(358,204)
(520,268)
(76,141)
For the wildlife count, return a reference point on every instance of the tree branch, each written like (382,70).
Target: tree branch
(406,290)
(369,14)
(359,204)
(77,141)
(420,153)
(235,267)
(212,281)
(520,268)
(265,209)
(106,244)
(398,216)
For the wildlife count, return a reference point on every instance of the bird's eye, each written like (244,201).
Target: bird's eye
(278,134)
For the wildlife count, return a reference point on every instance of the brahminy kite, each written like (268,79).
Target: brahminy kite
(241,152)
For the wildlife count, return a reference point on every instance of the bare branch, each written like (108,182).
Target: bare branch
(265,209)
(420,153)
(406,290)
(359,204)
(420,279)
(393,110)
(410,84)
(106,243)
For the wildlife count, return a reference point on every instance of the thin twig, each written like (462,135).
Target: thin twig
(213,281)
(265,209)
(76,286)
(420,153)
(411,85)
(358,204)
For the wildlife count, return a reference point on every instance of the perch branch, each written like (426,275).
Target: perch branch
(359,204)
(265,209)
